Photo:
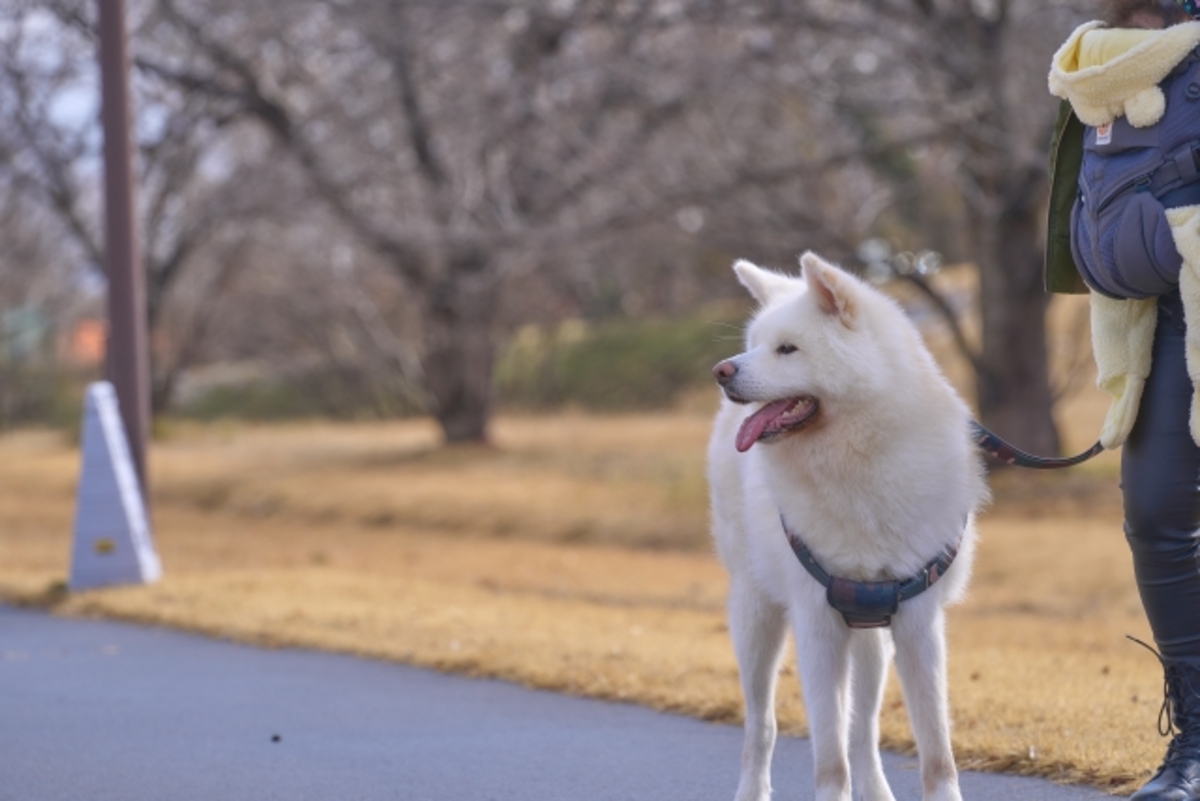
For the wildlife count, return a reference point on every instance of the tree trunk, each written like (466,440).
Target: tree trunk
(1014,395)
(1013,382)
(459,352)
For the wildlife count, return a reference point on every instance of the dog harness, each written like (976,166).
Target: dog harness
(870,604)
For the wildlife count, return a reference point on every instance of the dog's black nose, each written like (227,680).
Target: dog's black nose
(724,371)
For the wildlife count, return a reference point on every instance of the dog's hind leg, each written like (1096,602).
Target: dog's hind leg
(758,628)
(920,638)
(870,652)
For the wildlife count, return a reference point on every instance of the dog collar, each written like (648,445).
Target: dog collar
(870,604)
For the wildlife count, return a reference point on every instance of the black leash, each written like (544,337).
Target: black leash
(1009,454)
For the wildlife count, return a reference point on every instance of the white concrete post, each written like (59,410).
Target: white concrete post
(112,542)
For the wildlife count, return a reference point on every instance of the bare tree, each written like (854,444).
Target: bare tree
(467,142)
(201,178)
(931,121)
(467,145)
(441,145)
(37,291)
(981,67)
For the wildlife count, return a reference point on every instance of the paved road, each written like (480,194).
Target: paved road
(92,711)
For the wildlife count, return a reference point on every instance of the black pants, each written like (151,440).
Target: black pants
(1160,478)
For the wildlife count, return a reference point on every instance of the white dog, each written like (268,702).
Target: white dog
(841,444)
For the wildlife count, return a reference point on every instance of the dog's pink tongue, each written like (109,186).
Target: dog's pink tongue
(753,426)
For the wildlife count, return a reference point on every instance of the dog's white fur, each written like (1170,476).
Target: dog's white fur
(876,485)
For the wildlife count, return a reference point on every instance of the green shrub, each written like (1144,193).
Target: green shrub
(610,366)
(619,365)
(41,395)
(330,393)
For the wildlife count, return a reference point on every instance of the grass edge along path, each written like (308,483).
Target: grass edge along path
(574,557)
(540,627)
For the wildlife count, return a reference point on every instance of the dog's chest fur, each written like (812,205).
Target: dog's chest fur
(867,512)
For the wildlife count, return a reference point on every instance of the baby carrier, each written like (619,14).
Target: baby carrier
(1120,238)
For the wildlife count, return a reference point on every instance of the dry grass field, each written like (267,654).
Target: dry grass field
(573,555)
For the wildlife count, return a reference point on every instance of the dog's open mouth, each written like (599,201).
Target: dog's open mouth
(775,419)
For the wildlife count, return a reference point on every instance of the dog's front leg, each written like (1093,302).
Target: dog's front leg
(823,652)
(920,637)
(758,628)
(870,653)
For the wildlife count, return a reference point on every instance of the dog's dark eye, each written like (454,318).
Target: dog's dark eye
(786,348)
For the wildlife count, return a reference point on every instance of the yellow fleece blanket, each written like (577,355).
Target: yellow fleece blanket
(1098,46)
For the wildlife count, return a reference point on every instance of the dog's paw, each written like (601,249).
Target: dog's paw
(947,792)
(874,792)
(753,791)
(753,795)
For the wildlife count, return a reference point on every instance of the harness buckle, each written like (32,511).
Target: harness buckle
(864,604)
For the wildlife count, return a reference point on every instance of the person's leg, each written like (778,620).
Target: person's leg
(1160,478)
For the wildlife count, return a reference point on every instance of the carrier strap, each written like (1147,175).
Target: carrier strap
(1181,170)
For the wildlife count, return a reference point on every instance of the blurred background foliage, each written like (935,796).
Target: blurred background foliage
(370,208)
(618,364)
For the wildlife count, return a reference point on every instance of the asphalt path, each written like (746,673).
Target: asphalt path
(94,710)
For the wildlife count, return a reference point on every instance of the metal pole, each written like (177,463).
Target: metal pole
(128,360)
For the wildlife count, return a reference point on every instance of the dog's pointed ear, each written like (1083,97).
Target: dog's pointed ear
(832,288)
(762,284)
